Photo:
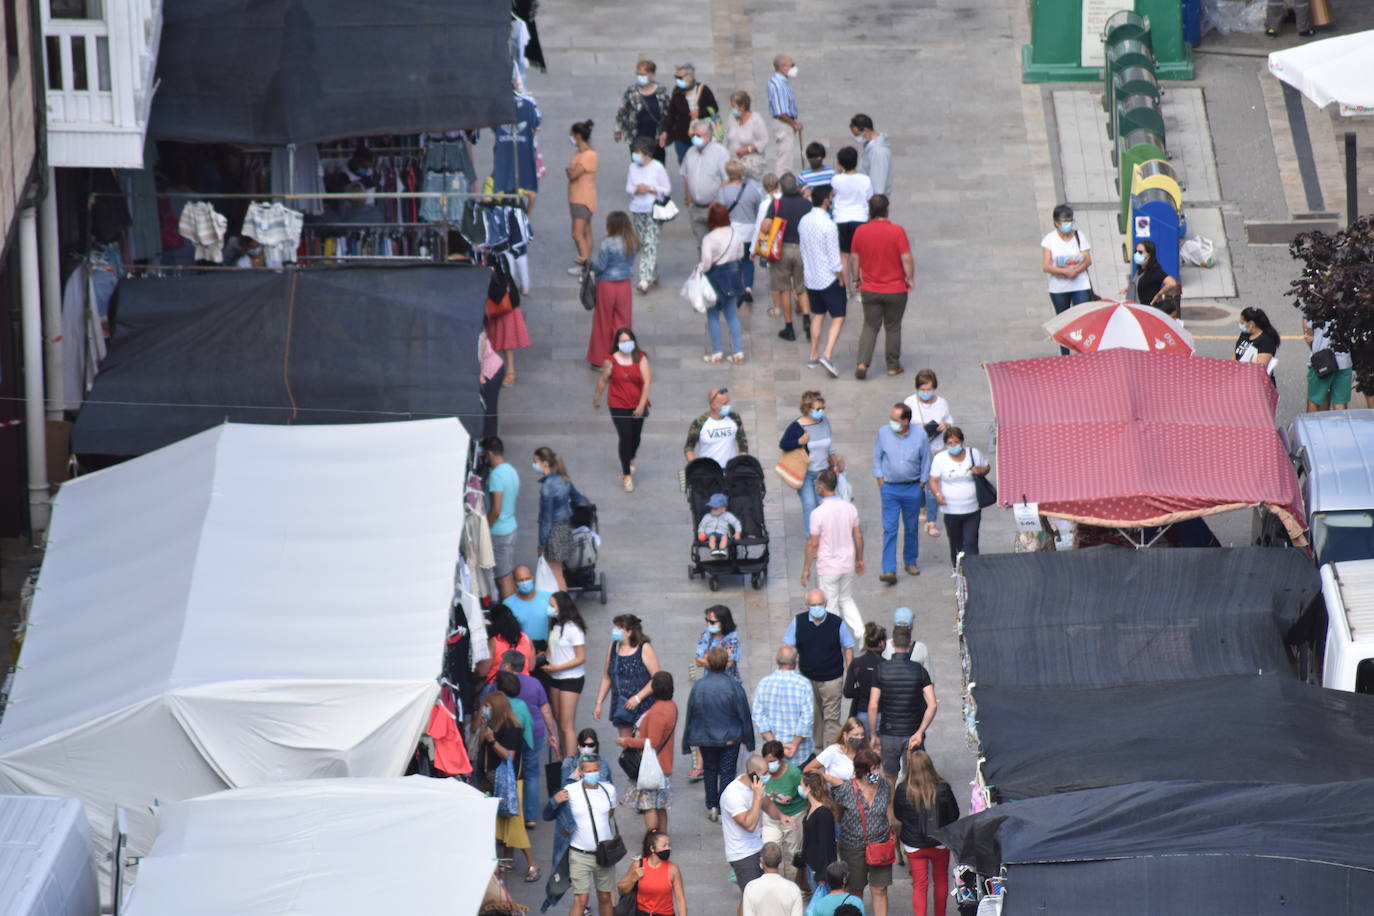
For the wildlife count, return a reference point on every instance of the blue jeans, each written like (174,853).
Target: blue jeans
(720,764)
(1064,301)
(748,266)
(809,500)
(531,775)
(901,501)
(728,306)
(681,147)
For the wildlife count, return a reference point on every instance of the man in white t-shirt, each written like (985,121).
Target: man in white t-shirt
(741,822)
(771,894)
(717,434)
(591,803)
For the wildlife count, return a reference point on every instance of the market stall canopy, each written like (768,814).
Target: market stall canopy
(1038,741)
(346,847)
(349,345)
(250,605)
(303,71)
(1124,438)
(1105,616)
(1166,847)
(1339,70)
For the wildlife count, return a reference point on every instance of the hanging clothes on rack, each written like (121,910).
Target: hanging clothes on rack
(514,167)
(205,227)
(527,10)
(448,168)
(276,228)
(306,177)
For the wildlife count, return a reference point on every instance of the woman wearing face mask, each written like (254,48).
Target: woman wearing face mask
(741,197)
(655,882)
(581,173)
(719,722)
(588,747)
(627,373)
(566,671)
(643,109)
(1258,342)
(557,495)
(1066,256)
(656,727)
(613,265)
(630,664)
(646,183)
(691,101)
(503,635)
(504,740)
(720,631)
(930,412)
(1152,285)
(819,842)
(951,484)
(864,800)
(836,762)
(811,431)
(746,136)
(722,260)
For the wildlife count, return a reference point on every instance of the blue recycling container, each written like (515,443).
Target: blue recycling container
(1154,218)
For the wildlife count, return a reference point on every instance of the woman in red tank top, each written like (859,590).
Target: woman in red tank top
(626,371)
(660,891)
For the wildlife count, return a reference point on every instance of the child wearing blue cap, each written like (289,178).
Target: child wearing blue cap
(718,525)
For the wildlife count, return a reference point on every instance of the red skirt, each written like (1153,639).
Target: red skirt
(613,302)
(508,332)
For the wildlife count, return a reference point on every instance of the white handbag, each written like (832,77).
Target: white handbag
(698,290)
(664,210)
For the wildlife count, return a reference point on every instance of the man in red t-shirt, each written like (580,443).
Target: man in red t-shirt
(881,255)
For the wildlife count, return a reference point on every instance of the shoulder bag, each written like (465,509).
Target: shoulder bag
(628,904)
(986,492)
(884,853)
(769,243)
(586,291)
(608,852)
(1323,363)
(665,211)
(792,466)
(503,788)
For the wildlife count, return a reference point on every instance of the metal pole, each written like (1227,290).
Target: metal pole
(51,253)
(35,425)
(1352,191)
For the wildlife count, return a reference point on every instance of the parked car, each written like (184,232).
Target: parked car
(1348,656)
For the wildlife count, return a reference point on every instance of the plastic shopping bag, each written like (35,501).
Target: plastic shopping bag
(1198,251)
(543,577)
(650,771)
(699,291)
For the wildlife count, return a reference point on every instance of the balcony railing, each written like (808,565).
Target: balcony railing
(100,57)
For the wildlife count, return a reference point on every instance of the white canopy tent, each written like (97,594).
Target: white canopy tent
(325,847)
(1339,70)
(249,605)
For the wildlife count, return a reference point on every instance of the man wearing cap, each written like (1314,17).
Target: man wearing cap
(836,546)
(717,434)
(902,702)
(825,647)
(905,617)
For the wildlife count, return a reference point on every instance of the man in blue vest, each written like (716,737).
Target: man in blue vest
(825,647)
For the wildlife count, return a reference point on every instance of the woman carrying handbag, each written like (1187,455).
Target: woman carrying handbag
(652,886)
(867,845)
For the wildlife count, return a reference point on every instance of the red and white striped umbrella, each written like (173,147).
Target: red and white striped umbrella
(1108,325)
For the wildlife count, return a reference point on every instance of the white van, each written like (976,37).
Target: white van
(1348,660)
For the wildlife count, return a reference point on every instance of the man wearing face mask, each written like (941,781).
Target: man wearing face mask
(741,822)
(703,172)
(717,434)
(901,465)
(530,606)
(825,647)
(876,159)
(691,101)
(785,709)
(782,105)
(785,806)
(591,802)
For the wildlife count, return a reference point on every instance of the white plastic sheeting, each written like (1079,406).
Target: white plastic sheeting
(249,605)
(1339,70)
(326,847)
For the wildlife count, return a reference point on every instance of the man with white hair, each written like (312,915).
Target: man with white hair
(703,172)
(785,708)
(782,105)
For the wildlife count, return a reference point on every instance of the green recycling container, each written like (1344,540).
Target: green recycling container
(1137,112)
(1132,149)
(1126,24)
(1127,54)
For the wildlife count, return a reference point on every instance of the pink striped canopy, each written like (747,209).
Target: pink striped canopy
(1125,438)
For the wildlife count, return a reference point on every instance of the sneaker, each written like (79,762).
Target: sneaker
(830,367)
(748,296)
(713,815)
(787,333)
(718,552)
(888,578)
(813,363)
(575,270)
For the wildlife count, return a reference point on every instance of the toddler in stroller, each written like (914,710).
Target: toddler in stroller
(718,525)
(740,487)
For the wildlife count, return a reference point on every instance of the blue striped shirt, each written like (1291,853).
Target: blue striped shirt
(781,101)
(814,178)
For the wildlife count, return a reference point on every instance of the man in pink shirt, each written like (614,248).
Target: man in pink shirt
(836,547)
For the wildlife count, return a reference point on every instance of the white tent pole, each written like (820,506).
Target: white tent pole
(35,423)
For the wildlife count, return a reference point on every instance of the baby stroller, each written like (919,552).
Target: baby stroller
(742,483)
(580,570)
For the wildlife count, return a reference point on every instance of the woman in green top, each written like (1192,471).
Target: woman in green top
(783,788)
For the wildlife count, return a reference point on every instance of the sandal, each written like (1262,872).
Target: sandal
(712,357)
(629,484)
(697,774)
(774,312)
(642,287)
(532,875)
(509,380)
(932,529)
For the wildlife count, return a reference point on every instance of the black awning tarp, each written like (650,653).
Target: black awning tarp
(1038,741)
(302,71)
(1179,847)
(1105,616)
(349,345)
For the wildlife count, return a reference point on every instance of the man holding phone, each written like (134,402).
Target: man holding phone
(741,824)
